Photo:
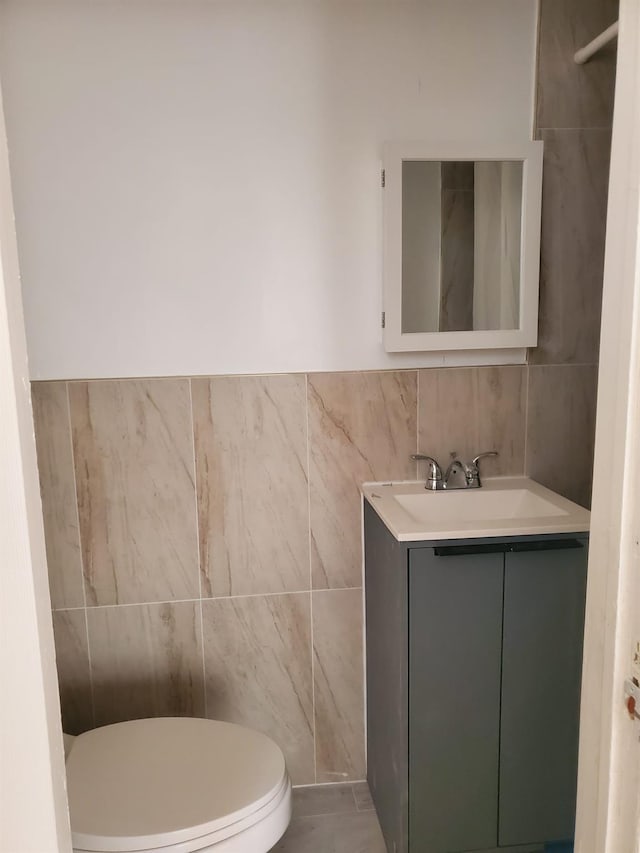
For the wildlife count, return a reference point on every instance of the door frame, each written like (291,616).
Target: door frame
(30,730)
(608,785)
(34,814)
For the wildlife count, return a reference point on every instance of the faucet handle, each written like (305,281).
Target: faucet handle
(421,457)
(434,468)
(482,455)
(474,474)
(434,477)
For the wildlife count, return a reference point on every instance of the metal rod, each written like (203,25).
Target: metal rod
(585,53)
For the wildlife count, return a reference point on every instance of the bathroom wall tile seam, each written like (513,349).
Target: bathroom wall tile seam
(311,646)
(598,127)
(92,607)
(309,375)
(195,498)
(306,374)
(563,364)
(81,555)
(102,380)
(526,419)
(418,450)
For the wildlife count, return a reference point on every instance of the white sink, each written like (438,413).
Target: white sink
(477,505)
(503,506)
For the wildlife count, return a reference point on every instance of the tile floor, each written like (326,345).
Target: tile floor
(332,819)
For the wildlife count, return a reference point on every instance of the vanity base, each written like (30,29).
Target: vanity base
(474,655)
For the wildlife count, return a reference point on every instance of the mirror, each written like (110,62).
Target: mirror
(461,247)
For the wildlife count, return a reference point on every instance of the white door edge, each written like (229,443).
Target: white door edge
(33,805)
(608,778)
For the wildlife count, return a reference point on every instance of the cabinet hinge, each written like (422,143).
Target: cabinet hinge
(384,319)
(383,178)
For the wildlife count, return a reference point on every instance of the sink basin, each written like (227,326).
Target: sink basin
(503,506)
(477,505)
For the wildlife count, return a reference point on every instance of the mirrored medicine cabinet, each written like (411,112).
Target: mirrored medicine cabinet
(461,245)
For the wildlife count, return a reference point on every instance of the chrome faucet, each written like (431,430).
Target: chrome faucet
(434,472)
(459,474)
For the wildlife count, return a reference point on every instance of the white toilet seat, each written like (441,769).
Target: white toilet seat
(176,785)
(256,834)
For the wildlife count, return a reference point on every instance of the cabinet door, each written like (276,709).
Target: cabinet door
(455,632)
(542,656)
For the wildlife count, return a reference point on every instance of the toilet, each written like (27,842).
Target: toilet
(176,785)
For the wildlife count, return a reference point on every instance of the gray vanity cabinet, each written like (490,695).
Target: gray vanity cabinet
(473,680)
(455,640)
(543,626)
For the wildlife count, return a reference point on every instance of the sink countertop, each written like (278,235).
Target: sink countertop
(512,506)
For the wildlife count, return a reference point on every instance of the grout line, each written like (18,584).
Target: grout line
(74,380)
(337,589)
(212,598)
(565,364)
(417,467)
(327,785)
(142,603)
(322,816)
(306,405)
(526,421)
(84,587)
(599,127)
(90,663)
(195,489)
(536,71)
(353,793)
(313,677)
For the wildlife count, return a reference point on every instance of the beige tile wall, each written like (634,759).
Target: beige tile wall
(574,117)
(561,428)
(362,426)
(251,463)
(205,538)
(135,481)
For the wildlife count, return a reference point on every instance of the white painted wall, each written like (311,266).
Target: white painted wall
(33,805)
(197,183)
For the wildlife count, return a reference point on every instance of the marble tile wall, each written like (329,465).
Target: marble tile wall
(362,426)
(573,118)
(471,410)
(251,463)
(561,428)
(135,483)
(205,543)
